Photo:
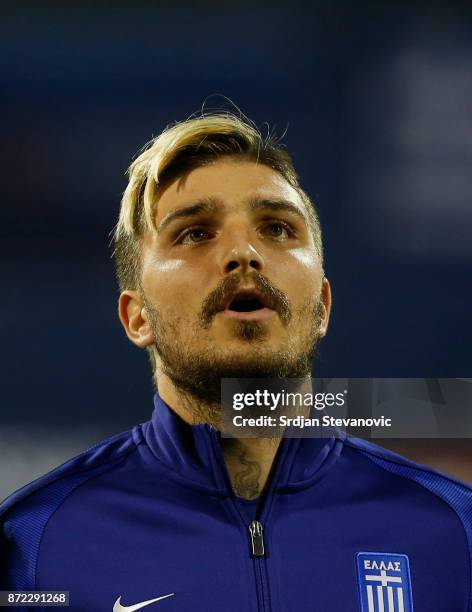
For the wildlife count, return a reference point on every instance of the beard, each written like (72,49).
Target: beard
(197,372)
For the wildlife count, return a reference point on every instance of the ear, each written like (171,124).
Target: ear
(326,308)
(134,318)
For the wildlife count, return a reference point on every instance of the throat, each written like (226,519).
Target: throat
(249,462)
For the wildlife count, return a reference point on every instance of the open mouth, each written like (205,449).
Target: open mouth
(245,304)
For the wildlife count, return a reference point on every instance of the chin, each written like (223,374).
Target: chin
(257,332)
(244,362)
(248,349)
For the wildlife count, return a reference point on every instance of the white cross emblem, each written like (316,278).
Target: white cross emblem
(384,581)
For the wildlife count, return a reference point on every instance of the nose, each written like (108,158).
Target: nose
(241,254)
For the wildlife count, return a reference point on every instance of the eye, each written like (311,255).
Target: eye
(193,235)
(279,230)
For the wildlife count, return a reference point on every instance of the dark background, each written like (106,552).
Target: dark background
(377,99)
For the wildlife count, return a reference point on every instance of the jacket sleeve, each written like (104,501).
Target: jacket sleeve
(4,586)
(13,557)
(20,534)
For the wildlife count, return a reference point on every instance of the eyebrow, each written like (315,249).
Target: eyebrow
(276,205)
(207,206)
(211,205)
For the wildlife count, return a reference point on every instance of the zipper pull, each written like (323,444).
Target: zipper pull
(257,539)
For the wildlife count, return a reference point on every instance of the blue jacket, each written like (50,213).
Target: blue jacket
(147,520)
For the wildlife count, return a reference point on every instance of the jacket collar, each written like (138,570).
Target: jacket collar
(194,456)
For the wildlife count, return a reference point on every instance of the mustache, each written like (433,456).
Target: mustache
(273,297)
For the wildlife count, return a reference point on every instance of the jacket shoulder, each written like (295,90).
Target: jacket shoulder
(25,514)
(436,481)
(100,454)
(455,493)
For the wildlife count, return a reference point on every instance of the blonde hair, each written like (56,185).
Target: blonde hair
(180,148)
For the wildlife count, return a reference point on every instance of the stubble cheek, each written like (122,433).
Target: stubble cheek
(308,263)
(304,294)
(304,275)
(167,285)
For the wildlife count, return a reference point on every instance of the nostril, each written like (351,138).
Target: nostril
(255,264)
(232,265)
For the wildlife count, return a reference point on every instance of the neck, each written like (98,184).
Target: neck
(249,461)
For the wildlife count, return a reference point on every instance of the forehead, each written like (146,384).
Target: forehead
(233,182)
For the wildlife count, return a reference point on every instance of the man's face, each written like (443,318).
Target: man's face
(231,282)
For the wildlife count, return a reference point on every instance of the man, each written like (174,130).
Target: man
(220,265)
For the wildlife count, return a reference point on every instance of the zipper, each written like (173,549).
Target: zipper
(258,553)
(256,530)
(257,539)
(256,535)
